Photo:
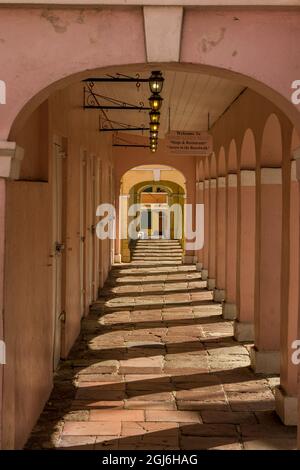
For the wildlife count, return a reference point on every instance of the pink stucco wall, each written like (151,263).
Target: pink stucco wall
(28,305)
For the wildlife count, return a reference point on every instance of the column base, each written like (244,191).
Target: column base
(243,331)
(211,284)
(219,295)
(199,266)
(286,407)
(204,274)
(117,259)
(229,311)
(265,362)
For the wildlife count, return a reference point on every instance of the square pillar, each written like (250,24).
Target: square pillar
(199,200)
(246,210)
(219,294)
(204,271)
(229,306)
(265,354)
(286,394)
(212,233)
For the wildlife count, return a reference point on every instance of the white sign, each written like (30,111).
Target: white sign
(189,143)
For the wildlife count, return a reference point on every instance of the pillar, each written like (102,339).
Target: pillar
(117,256)
(200,200)
(244,324)
(123,222)
(229,306)
(286,394)
(211,282)
(204,272)
(219,293)
(265,354)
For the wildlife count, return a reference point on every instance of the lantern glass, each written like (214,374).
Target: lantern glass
(154,126)
(154,134)
(155,102)
(154,116)
(153,150)
(156,81)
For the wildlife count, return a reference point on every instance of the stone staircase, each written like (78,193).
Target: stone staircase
(157,252)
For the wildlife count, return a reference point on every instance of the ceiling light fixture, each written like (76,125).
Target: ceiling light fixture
(156,82)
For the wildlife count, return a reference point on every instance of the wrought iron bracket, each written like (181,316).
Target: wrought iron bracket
(93,100)
(109,125)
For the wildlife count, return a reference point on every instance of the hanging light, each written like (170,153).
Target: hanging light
(153,134)
(155,102)
(156,81)
(153,149)
(154,116)
(153,140)
(154,126)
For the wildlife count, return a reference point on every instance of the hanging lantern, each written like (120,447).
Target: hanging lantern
(155,102)
(154,126)
(153,134)
(156,81)
(154,116)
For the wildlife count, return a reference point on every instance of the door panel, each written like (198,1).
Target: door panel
(83,247)
(59,156)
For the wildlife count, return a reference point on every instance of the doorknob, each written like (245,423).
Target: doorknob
(59,247)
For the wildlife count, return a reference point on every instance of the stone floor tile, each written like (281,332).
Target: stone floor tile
(74,428)
(210,443)
(117,415)
(139,428)
(230,417)
(270,444)
(173,416)
(76,442)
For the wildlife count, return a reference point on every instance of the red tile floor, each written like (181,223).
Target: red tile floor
(156,367)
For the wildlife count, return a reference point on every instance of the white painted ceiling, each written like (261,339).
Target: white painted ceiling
(188,96)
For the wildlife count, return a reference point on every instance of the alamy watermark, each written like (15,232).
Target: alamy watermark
(2,92)
(295,97)
(175,221)
(296,354)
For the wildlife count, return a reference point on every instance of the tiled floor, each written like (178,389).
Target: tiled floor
(156,367)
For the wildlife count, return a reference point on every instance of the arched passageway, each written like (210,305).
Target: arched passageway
(162,342)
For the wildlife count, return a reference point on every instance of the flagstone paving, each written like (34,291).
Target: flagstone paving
(156,367)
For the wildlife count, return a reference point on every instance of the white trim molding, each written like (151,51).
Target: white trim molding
(232,180)
(213,183)
(248,177)
(163,32)
(221,182)
(271,175)
(11,156)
